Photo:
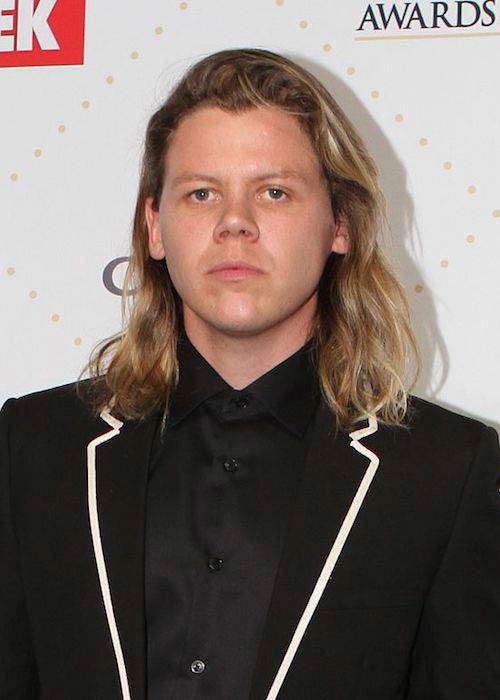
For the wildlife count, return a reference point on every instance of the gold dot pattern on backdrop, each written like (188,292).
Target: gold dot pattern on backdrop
(496,213)
(37,152)
(327,47)
(183,5)
(32,294)
(447,165)
(351,70)
(85,104)
(399,117)
(470,238)
(110,80)
(55,318)
(444,263)
(158,30)
(61,128)
(375,94)
(134,55)
(14,177)
(471,189)
(303,24)
(423,141)
(77,341)
(11,271)
(419,289)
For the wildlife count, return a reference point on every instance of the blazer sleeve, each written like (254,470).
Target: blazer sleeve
(457,650)
(18,674)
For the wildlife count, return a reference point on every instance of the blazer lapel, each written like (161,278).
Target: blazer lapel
(337,474)
(117,468)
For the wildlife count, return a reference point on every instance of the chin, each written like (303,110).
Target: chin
(240,329)
(239,324)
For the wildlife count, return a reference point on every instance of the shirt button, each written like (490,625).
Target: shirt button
(214,564)
(241,402)
(230,465)
(197,666)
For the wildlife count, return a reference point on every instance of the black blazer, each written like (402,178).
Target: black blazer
(411,610)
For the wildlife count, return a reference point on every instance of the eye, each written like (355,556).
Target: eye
(275,193)
(202,194)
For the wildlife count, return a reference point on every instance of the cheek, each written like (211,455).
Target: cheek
(176,237)
(179,272)
(184,254)
(306,249)
(176,260)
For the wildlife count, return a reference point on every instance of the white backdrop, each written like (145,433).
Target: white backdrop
(425,100)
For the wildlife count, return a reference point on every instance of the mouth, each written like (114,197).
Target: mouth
(234,269)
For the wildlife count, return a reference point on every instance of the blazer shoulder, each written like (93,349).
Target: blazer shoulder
(432,428)
(423,415)
(49,411)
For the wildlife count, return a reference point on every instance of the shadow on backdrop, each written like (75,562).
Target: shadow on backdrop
(402,244)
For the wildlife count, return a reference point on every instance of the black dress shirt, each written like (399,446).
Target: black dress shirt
(222,481)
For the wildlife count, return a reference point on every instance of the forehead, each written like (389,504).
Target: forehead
(257,137)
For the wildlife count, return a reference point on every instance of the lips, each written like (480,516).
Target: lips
(235,266)
(234,271)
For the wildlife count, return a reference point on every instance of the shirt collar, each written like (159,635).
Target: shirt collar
(289,391)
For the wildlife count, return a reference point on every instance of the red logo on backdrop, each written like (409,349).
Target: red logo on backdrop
(42,32)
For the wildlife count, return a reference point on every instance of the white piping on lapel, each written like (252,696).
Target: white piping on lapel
(334,554)
(97,544)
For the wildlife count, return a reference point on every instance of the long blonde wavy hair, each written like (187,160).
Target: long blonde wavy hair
(361,333)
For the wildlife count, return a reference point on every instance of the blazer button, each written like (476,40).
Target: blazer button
(197,666)
(230,465)
(214,564)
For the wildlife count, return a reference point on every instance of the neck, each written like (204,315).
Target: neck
(241,359)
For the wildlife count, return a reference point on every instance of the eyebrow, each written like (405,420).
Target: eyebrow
(285,174)
(189,177)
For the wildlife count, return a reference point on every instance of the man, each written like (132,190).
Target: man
(243,502)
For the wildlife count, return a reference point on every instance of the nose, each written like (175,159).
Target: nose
(236,219)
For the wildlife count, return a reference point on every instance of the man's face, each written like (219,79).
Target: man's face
(244,221)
